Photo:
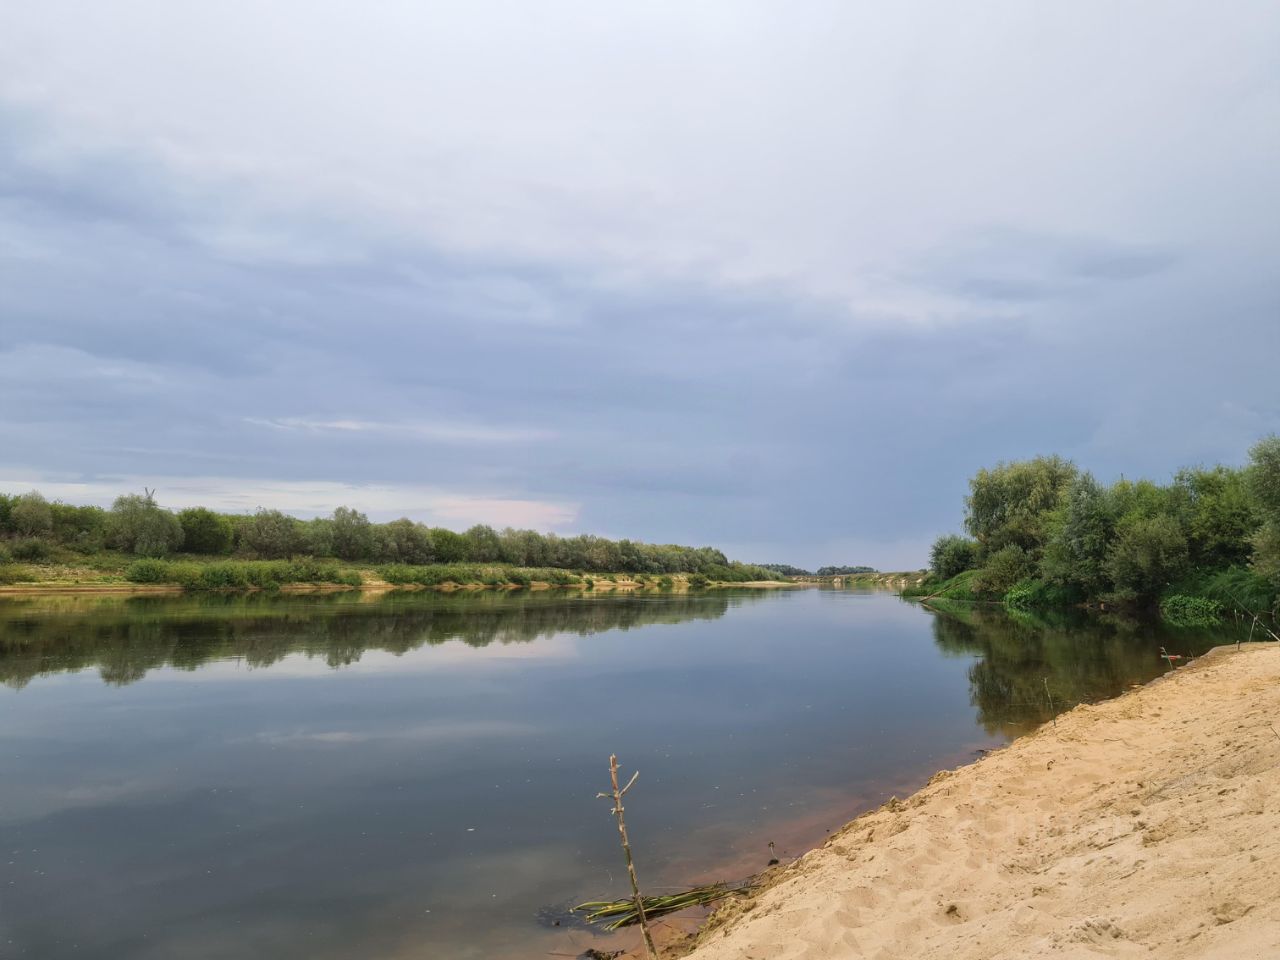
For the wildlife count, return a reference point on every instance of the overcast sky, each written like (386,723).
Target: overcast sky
(776,277)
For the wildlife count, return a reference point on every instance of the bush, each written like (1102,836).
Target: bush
(15,573)
(1037,594)
(204,531)
(1183,611)
(148,570)
(698,581)
(239,574)
(33,550)
(1002,571)
(951,555)
(80,528)
(1266,552)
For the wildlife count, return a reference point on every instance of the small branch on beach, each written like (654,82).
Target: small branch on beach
(616,794)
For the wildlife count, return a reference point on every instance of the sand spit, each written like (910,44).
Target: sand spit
(1147,826)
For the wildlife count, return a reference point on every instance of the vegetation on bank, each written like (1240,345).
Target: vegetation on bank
(1042,533)
(787,570)
(139,541)
(240,574)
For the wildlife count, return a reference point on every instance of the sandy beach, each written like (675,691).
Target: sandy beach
(1146,826)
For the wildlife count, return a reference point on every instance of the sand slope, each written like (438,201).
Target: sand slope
(1148,826)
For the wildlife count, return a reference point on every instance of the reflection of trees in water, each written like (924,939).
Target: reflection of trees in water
(126,638)
(1085,659)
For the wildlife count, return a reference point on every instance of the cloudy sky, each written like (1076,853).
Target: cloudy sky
(771,276)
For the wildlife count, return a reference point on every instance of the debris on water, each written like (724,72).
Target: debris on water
(591,953)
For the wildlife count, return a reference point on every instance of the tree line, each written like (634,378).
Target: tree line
(1043,532)
(34,529)
(787,570)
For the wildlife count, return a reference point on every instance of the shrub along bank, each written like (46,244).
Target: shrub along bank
(1042,533)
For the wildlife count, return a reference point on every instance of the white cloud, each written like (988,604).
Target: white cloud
(442,431)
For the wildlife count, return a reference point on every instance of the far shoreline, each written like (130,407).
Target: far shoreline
(110,589)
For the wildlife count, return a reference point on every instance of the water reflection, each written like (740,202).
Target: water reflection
(1030,666)
(126,638)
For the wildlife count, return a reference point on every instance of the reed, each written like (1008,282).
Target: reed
(624,913)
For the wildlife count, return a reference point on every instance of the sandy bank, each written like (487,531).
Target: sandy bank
(370,586)
(1147,826)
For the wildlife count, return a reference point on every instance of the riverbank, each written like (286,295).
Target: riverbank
(110,574)
(1148,825)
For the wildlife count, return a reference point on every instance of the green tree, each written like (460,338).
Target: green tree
(352,536)
(406,542)
(1264,483)
(1148,554)
(272,535)
(448,546)
(317,537)
(1221,515)
(204,531)
(1264,475)
(1010,504)
(30,515)
(1083,529)
(139,525)
(80,527)
(949,556)
(483,545)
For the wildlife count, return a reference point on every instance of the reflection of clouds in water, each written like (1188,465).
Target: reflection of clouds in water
(453,732)
(451,655)
(24,801)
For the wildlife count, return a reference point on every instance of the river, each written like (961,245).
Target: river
(414,775)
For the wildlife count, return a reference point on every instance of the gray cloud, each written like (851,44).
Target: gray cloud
(724,275)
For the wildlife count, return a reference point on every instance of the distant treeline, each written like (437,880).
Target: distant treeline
(1043,533)
(35,530)
(787,570)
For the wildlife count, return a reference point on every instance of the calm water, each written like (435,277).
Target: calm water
(415,775)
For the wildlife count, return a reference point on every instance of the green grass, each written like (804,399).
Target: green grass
(239,574)
(15,573)
(958,588)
